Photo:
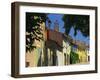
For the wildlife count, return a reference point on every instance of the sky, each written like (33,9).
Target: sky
(58,17)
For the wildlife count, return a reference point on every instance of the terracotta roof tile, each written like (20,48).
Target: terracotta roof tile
(55,36)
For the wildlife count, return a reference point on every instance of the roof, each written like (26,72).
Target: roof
(55,36)
(67,37)
(80,44)
(58,37)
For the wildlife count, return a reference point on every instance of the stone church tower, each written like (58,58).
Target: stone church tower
(56,26)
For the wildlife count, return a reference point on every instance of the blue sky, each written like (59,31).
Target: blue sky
(58,17)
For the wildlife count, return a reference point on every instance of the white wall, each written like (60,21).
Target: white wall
(5,40)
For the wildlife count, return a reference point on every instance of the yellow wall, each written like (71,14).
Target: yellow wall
(82,56)
(32,57)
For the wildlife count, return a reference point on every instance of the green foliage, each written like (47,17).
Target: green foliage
(74,58)
(79,22)
(33,30)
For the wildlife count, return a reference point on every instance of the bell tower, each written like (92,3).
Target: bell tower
(56,26)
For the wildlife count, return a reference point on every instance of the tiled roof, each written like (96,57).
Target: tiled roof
(58,37)
(55,36)
(80,44)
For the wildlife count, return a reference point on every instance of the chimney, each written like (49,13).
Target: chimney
(56,26)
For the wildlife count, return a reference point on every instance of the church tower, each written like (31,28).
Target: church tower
(56,26)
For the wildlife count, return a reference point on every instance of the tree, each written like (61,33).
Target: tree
(74,58)
(79,22)
(33,29)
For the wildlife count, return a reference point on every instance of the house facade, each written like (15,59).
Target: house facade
(56,49)
(36,56)
(81,49)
